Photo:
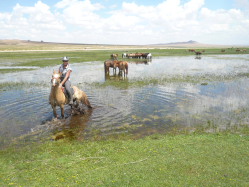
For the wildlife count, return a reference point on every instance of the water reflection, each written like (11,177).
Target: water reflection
(74,127)
(115,77)
(143,61)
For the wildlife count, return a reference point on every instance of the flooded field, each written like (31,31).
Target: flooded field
(167,93)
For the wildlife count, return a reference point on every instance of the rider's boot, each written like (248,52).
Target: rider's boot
(70,97)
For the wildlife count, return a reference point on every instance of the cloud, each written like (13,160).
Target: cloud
(86,22)
(76,12)
(242,4)
(29,22)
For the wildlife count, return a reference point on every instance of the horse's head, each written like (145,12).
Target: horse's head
(56,78)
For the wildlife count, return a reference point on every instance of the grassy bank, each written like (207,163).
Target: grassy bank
(158,160)
(51,58)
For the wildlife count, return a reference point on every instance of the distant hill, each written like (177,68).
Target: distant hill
(190,42)
(15,44)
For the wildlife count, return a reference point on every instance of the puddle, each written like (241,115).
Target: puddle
(208,92)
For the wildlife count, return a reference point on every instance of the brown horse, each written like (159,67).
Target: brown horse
(122,66)
(109,64)
(58,98)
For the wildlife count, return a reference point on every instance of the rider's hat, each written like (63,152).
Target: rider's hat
(65,59)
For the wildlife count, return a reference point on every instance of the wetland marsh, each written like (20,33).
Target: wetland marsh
(170,92)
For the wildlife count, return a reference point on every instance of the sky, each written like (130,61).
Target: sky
(126,22)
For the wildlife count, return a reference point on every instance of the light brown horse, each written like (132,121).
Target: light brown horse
(122,66)
(58,98)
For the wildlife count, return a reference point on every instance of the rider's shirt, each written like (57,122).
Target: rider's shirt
(64,71)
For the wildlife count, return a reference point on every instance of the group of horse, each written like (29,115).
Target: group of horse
(196,52)
(114,64)
(137,55)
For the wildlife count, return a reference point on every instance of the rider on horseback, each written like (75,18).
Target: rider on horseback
(65,71)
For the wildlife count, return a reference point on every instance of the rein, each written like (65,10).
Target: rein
(56,77)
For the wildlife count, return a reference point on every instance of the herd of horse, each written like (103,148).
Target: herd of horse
(222,50)
(137,55)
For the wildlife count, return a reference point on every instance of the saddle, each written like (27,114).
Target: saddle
(65,91)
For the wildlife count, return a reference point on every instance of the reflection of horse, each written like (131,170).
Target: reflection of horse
(58,98)
(198,57)
(109,64)
(144,61)
(114,77)
(73,127)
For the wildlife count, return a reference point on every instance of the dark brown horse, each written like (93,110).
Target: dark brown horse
(109,64)
(198,53)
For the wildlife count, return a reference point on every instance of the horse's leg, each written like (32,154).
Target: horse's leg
(119,71)
(62,110)
(77,103)
(108,70)
(105,67)
(54,110)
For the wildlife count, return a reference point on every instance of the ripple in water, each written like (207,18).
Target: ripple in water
(151,108)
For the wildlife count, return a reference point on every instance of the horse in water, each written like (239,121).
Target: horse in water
(58,98)
(122,66)
(109,64)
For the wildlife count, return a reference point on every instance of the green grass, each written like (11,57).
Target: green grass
(51,58)
(158,160)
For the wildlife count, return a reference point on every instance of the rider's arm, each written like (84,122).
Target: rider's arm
(66,77)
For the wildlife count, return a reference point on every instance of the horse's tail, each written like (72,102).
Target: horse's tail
(126,67)
(85,100)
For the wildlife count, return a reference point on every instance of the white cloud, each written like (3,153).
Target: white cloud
(83,21)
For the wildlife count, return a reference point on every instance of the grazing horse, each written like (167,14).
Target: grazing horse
(114,56)
(109,64)
(198,53)
(146,55)
(124,55)
(122,66)
(58,98)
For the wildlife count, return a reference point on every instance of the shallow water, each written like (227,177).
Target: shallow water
(215,96)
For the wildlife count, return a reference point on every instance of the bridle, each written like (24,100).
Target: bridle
(55,79)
